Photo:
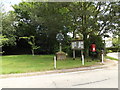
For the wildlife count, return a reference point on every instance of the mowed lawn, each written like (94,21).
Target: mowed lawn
(29,63)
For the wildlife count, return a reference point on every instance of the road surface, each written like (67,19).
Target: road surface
(99,78)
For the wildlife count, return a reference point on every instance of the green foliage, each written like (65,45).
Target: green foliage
(45,19)
(116,42)
(91,18)
(113,49)
(116,45)
(31,41)
(109,51)
(97,40)
(99,44)
(42,20)
(8,30)
(3,40)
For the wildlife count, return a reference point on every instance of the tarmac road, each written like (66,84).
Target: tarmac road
(98,78)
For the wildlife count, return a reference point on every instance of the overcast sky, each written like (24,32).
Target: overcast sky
(7,4)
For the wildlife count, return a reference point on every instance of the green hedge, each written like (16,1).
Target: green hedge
(112,49)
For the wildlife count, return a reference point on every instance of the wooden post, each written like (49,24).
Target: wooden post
(102,57)
(73,54)
(54,62)
(82,57)
(60,47)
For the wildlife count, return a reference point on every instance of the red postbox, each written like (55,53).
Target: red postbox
(93,48)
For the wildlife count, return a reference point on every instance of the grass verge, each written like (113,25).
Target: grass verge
(29,63)
(111,58)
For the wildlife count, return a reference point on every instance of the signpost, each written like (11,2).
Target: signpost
(60,38)
(60,55)
(78,45)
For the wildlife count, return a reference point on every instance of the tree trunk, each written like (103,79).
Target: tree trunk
(74,34)
(86,46)
(33,52)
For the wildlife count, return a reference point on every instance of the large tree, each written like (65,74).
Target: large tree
(8,30)
(42,20)
(93,18)
(45,19)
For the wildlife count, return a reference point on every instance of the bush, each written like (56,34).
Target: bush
(109,51)
(113,49)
